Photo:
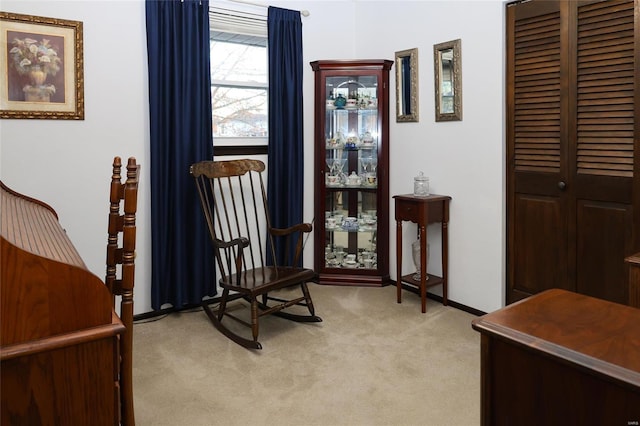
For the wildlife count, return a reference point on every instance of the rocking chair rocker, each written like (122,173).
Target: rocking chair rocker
(234,204)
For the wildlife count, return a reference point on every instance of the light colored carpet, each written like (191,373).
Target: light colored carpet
(370,362)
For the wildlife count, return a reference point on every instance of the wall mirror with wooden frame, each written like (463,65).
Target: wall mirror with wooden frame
(407,85)
(447,58)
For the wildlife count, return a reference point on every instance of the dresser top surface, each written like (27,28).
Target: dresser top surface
(593,333)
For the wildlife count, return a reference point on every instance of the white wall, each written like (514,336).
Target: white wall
(67,163)
(463,159)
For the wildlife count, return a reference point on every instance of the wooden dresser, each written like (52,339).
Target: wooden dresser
(59,332)
(634,279)
(560,358)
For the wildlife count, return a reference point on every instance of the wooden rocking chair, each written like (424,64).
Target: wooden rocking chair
(234,203)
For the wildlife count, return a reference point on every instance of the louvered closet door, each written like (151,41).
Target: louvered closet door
(537,207)
(571,147)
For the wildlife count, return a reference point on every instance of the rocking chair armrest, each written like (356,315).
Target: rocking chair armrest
(242,242)
(233,248)
(300,227)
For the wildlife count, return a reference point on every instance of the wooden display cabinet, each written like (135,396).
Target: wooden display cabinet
(352,172)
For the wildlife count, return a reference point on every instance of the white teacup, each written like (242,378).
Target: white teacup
(350,258)
(331,222)
(368,263)
(333,179)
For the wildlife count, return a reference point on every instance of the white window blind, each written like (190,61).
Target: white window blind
(236,22)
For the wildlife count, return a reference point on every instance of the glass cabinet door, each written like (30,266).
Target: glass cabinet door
(351,132)
(350,137)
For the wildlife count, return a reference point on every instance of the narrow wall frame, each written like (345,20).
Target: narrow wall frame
(447,59)
(407,85)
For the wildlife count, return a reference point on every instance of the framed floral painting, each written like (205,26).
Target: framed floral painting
(41,67)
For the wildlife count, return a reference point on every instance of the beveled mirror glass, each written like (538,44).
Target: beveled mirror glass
(407,85)
(448,80)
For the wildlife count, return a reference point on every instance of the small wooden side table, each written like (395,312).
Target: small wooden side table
(422,211)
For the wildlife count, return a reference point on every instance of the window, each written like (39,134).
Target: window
(239,81)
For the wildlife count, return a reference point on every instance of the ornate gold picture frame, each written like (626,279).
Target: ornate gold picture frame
(407,85)
(41,67)
(447,59)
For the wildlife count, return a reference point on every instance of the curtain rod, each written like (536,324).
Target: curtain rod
(302,12)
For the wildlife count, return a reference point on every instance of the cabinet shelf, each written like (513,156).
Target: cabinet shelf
(351,230)
(345,187)
(346,109)
(348,148)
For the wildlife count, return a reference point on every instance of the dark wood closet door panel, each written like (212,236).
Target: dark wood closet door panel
(604,146)
(540,264)
(604,188)
(600,259)
(536,232)
(536,94)
(605,89)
